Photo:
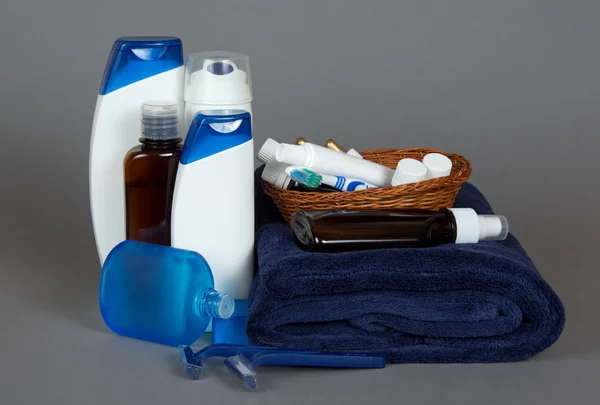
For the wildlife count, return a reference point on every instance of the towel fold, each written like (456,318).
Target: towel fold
(483,302)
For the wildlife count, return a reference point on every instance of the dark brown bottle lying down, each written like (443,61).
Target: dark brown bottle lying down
(342,231)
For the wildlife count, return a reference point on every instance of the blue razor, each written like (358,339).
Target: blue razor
(242,361)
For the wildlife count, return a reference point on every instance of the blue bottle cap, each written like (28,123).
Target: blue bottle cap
(136,58)
(215,131)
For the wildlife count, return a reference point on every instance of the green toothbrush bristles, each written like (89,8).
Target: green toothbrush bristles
(307,177)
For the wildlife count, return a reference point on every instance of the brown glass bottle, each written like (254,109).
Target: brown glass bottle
(339,231)
(150,171)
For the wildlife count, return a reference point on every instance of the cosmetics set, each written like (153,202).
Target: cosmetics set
(311,165)
(172,202)
(331,168)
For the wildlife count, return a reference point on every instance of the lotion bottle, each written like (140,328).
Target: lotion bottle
(213,201)
(342,231)
(150,170)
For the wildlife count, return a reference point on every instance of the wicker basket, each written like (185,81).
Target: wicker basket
(431,194)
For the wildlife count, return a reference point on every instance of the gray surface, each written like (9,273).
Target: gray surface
(513,85)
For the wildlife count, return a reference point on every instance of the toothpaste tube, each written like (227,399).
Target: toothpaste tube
(326,161)
(345,183)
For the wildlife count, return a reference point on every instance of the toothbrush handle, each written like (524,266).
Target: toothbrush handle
(319,359)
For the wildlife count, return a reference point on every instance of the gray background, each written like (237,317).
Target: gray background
(513,85)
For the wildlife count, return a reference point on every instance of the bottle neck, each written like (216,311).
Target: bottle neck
(213,304)
(445,230)
(148,143)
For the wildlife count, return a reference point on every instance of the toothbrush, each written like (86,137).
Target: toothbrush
(304,176)
(308,178)
(242,360)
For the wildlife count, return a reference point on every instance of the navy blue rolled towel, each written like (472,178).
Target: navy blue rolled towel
(483,302)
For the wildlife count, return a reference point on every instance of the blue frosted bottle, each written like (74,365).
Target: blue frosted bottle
(159,293)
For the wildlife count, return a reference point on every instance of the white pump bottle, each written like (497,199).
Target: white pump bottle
(213,201)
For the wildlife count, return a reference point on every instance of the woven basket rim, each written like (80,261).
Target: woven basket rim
(461,171)
(428,194)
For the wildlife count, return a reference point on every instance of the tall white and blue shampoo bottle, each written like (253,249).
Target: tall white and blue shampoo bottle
(139,69)
(213,201)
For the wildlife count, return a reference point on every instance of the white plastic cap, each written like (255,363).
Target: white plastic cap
(274,173)
(160,120)
(354,152)
(218,78)
(409,171)
(472,228)
(267,151)
(226,306)
(438,165)
(293,155)
(467,225)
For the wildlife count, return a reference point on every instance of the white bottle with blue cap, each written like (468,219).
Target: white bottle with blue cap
(213,200)
(217,80)
(139,69)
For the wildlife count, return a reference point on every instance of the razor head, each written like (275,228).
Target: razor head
(242,371)
(193,368)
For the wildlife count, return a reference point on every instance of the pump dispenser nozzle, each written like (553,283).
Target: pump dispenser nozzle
(472,228)
(218,77)
(493,227)
(216,80)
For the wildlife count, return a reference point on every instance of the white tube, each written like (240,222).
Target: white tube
(326,161)
(354,152)
(345,183)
